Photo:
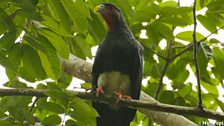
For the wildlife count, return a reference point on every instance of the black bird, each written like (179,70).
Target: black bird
(117,68)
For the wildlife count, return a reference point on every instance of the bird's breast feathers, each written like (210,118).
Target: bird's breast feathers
(114,81)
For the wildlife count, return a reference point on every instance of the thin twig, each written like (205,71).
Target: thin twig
(160,85)
(33,105)
(153,51)
(189,46)
(195,56)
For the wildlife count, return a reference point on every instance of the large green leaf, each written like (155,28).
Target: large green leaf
(187,36)
(177,21)
(168,10)
(52,120)
(167,97)
(54,26)
(50,61)
(31,68)
(58,12)
(79,20)
(208,22)
(148,12)
(80,108)
(51,106)
(176,68)
(218,56)
(14,57)
(57,41)
(7,40)
(83,45)
(186,90)
(210,88)
(96,28)
(204,55)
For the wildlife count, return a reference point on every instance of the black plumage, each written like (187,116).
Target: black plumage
(117,67)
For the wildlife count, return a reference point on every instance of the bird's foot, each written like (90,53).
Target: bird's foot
(99,91)
(119,96)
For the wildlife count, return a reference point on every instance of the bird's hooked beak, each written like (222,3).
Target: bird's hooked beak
(100,9)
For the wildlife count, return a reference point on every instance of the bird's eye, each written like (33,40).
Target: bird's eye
(111,8)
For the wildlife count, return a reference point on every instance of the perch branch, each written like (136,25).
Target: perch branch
(139,104)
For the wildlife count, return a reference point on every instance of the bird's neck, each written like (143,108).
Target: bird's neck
(115,25)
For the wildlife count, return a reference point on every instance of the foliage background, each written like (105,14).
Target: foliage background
(36,33)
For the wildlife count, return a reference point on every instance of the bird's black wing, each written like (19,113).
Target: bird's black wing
(136,76)
(96,65)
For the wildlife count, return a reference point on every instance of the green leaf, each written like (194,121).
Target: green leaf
(29,13)
(218,56)
(177,21)
(187,36)
(80,109)
(184,91)
(167,97)
(16,84)
(58,12)
(220,103)
(71,122)
(168,4)
(168,10)
(208,22)
(31,68)
(6,23)
(50,61)
(216,6)
(51,106)
(5,62)
(204,55)
(155,70)
(202,3)
(7,40)
(79,21)
(166,32)
(176,68)
(17,102)
(210,88)
(8,123)
(52,120)
(58,43)
(82,8)
(34,43)
(96,28)
(54,26)
(150,11)
(83,45)
(58,94)
(206,50)
(79,105)
(178,82)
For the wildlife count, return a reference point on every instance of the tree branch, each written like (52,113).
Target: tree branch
(195,56)
(139,104)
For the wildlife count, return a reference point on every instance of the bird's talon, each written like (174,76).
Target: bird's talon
(119,96)
(99,91)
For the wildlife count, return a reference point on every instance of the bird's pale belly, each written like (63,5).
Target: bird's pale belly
(114,81)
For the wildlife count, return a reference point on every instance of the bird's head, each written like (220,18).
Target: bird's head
(111,14)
